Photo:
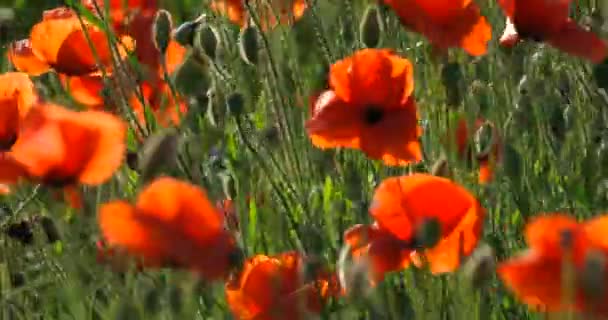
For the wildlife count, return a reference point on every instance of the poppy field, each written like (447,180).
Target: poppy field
(304,159)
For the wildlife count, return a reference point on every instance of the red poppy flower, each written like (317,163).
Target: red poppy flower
(60,42)
(63,148)
(285,10)
(172,223)
(555,241)
(403,209)
(275,287)
(548,21)
(446,23)
(488,158)
(369,107)
(17,96)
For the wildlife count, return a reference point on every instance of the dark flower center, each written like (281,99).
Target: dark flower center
(6,144)
(373,114)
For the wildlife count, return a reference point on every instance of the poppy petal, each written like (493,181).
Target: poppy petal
(22,57)
(86,90)
(399,132)
(579,42)
(547,233)
(534,279)
(334,123)
(401,204)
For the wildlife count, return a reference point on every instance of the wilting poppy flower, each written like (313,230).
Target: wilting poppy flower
(487,158)
(63,148)
(369,107)
(171,224)
(17,96)
(558,241)
(60,42)
(276,287)
(267,11)
(420,219)
(446,23)
(548,21)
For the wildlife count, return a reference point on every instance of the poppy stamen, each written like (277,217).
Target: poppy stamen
(373,114)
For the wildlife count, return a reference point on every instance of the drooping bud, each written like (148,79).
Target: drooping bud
(50,229)
(248,45)
(484,140)
(184,33)
(480,266)
(207,40)
(371,27)
(158,152)
(451,78)
(441,168)
(235,104)
(161,30)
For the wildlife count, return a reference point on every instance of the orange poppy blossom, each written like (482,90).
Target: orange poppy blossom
(404,210)
(555,241)
(488,158)
(548,21)
(446,23)
(172,223)
(370,107)
(17,95)
(63,148)
(267,11)
(59,42)
(276,287)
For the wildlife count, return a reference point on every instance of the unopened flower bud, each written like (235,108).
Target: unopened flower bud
(371,27)
(163,24)
(248,45)
(207,40)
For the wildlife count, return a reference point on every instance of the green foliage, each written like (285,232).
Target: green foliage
(289,195)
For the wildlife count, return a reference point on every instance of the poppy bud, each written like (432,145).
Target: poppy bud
(371,27)
(161,30)
(512,162)
(484,140)
(176,300)
(569,115)
(207,41)
(50,229)
(480,266)
(17,279)
(126,311)
(248,45)
(451,78)
(235,104)
(600,74)
(441,168)
(184,33)
(593,277)
(152,300)
(132,160)
(20,231)
(158,152)
(353,275)
(429,233)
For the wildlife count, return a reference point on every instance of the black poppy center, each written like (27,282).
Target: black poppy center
(373,114)
(6,144)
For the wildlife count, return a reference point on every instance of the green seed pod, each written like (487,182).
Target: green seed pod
(184,33)
(429,233)
(248,45)
(235,104)
(163,24)
(50,229)
(480,266)
(371,27)
(158,152)
(207,41)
